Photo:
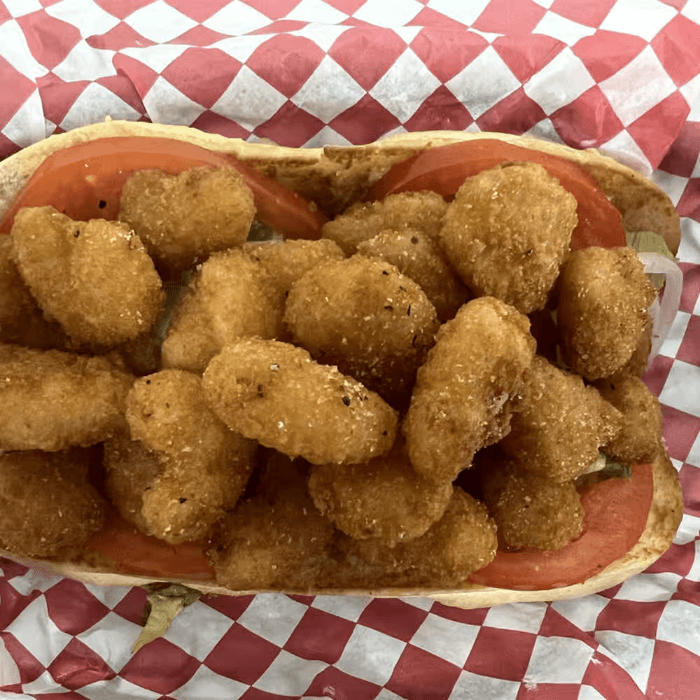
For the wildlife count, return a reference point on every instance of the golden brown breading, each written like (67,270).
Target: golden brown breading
(21,320)
(95,278)
(278,546)
(51,400)
(275,393)
(460,401)
(383,500)
(530,510)
(185,217)
(286,261)
(201,467)
(637,365)
(507,233)
(461,542)
(639,440)
(230,297)
(367,318)
(47,505)
(560,424)
(604,298)
(364,220)
(129,469)
(417,256)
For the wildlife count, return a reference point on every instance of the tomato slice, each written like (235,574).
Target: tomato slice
(443,169)
(135,553)
(85,182)
(615,515)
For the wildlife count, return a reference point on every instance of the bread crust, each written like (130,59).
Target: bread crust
(333,177)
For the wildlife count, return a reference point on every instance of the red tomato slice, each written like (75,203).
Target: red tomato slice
(615,515)
(443,169)
(136,553)
(85,182)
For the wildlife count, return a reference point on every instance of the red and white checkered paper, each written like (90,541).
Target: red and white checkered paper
(623,76)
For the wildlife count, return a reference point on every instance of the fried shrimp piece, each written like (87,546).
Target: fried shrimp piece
(461,542)
(461,399)
(416,255)
(185,217)
(47,506)
(230,297)
(200,468)
(530,510)
(604,301)
(21,320)
(286,261)
(276,540)
(51,400)
(367,318)
(95,278)
(383,500)
(560,424)
(422,211)
(507,233)
(638,440)
(275,393)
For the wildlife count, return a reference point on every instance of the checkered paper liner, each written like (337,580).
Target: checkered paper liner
(622,76)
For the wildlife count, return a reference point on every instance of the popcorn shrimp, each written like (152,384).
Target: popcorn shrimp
(95,278)
(275,393)
(203,467)
(460,401)
(367,318)
(182,218)
(507,233)
(362,221)
(51,400)
(604,300)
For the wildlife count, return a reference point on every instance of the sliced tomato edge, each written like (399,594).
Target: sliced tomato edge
(513,570)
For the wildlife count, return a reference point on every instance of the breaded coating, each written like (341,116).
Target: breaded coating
(367,318)
(276,543)
(21,320)
(286,261)
(637,365)
(461,542)
(461,399)
(230,297)
(47,505)
(93,277)
(383,500)
(202,466)
(129,470)
(604,300)
(560,424)
(185,217)
(530,510)
(362,221)
(507,233)
(639,439)
(417,256)
(275,393)
(51,400)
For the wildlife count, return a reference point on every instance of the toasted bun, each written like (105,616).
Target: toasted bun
(333,177)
